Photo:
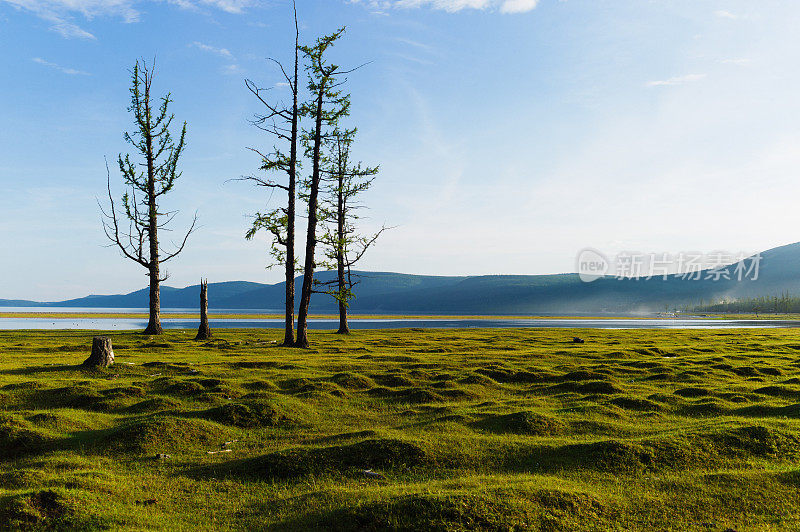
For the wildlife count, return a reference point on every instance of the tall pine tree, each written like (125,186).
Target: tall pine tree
(135,230)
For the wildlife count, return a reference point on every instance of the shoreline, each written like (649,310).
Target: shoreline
(264,316)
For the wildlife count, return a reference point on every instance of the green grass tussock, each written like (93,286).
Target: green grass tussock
(523,423)
(348,459)
(246,416)
(18,437)
(403,430)
(163,434)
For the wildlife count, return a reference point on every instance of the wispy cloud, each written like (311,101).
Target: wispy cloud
(413,49)
(69,30)
(65,70)
(64,15)
(414,59)
(61,14)
(737,61)
(222,52)
(415,44)
(725,14)
(452,6)
(229,6)
(231,68)
(678,80)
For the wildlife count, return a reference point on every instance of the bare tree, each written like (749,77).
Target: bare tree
(325,107)
(282,122)
(344,246)
(134,230)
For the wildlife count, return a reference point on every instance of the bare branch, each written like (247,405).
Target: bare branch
(111,227)
(183,244)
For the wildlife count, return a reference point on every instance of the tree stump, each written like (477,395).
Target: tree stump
(204,331)
(102,353)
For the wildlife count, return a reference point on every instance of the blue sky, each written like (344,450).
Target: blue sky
(510,133)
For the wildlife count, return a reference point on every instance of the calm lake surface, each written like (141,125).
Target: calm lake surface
(365,323)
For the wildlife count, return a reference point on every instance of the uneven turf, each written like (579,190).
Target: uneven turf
(413,429)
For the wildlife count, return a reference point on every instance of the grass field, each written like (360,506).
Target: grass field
(406,429)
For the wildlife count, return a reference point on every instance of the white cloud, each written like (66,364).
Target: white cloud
(737,61)
(678,80)
(222,52)
(415,44)
(69,30)
(518,6)
(232,69)
(229,6)
(725,14)
(452,6)
(62,13)
(65,70)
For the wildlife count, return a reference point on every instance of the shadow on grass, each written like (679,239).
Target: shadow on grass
(38,370)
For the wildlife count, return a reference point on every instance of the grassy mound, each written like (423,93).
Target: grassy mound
(242,415)
(471,429)
(585,387)
(522,423)
(260,385)
(18,438)
(698,450)
(164,435)
(305,387)
(16,479)
(692,391)
(63,421)
(425,513)
(417,396)
(336,459)
(756,441)
(352,381)
(635,403)
(83,396)
(156,404)
(545,510)
(393,380)
(46,510)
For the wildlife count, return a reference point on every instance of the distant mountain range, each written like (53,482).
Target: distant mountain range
(382,292)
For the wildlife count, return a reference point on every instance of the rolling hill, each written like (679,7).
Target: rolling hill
(384,292)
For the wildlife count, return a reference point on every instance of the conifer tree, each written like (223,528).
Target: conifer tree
(135,229)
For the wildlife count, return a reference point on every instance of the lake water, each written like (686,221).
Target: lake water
(368,323)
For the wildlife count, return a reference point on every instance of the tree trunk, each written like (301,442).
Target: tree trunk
(288,336)
(204,332)
(311,233)
(344,328)
(102,353)
(340,250)
(154,325)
